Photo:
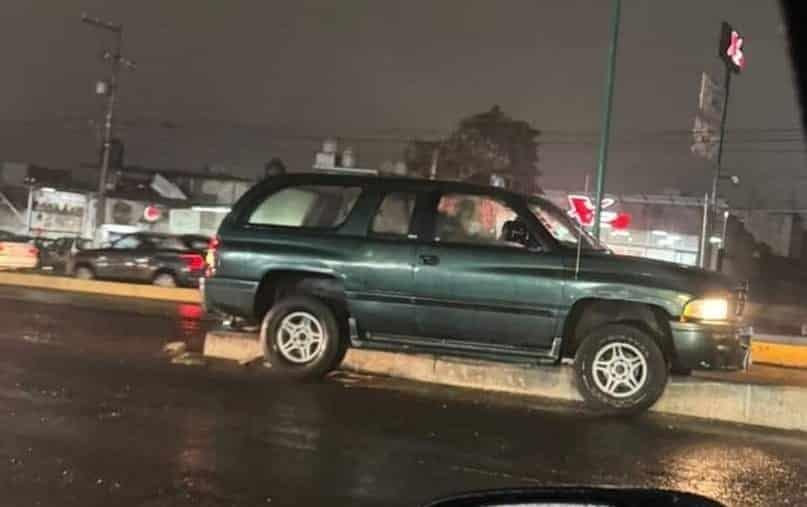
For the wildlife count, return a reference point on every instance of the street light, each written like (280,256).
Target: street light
(608,95)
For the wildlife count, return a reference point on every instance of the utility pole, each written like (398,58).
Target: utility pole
(704,231)
(606,116)
(110,89)
(718,168)
(732,53)
(435,161)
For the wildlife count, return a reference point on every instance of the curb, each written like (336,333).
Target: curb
(95,287)
(781,350)
(773,406)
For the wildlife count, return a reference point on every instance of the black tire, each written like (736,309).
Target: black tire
(325,359)
(84,273)
(626,399)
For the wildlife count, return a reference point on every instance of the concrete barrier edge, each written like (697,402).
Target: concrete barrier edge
(779,354)
(781,407)
(97,287)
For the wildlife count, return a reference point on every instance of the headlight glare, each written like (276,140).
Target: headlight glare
(707,309)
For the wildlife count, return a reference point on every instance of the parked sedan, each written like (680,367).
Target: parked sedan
(56,254)
(164,260)
(17,252)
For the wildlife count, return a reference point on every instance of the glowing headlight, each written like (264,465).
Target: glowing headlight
(707,309)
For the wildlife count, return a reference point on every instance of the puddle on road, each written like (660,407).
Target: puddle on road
(40,339)
(189,359)
(191,326)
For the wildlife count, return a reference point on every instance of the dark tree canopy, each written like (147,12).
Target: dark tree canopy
(482,145)
(274,167)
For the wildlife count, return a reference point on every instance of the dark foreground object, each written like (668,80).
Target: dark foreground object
(611,497)
(92,413)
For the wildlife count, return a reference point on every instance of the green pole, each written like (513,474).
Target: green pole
(608,95)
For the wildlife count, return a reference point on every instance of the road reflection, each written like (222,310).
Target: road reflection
(727,473)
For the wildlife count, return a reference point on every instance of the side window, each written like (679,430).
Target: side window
(465,218)
(310,206)
(394,214)
(169,243)
(196,244)
(126,243)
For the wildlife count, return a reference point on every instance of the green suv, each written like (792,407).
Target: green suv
(326,262)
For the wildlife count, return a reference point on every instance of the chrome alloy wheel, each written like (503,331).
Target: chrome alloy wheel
(619,369)
(300,337)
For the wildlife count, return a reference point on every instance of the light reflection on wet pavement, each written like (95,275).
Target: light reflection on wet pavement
(93,414)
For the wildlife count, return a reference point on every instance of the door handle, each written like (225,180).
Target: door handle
(430,260)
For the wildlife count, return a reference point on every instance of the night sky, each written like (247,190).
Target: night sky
(232,84)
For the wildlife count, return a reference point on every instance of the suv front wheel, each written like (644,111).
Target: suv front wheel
(300,337)
(620,369)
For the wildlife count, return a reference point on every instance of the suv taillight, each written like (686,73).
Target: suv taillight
(212,253)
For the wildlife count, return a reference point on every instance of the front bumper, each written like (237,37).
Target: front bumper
(710,346)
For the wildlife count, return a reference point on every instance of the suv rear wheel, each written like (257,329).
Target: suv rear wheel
(620,369)
(301,339)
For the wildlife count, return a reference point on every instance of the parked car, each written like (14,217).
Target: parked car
(164,260)
(331,261)
(17,252)
(55,254)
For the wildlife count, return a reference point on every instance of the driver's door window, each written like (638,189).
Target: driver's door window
(466,218)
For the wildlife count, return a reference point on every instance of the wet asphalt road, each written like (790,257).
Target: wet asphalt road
(92,413)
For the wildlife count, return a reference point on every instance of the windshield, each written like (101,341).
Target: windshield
(562,227)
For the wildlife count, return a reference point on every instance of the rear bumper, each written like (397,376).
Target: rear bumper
(228,296)
(18,262)
(709,346)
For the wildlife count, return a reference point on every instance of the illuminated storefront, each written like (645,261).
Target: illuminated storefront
(663,227)
(54,213)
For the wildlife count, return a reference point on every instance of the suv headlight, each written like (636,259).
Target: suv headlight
(707,309)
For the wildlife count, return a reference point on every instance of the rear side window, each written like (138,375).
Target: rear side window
(197,243)
(394,214)
(309,206)
(169,243)
(127,243)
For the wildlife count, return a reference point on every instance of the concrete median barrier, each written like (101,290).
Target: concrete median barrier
(761,404)
(97,287)
(781,350)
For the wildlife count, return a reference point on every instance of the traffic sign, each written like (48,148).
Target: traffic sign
(711,97)
(705,137)
(732,48)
